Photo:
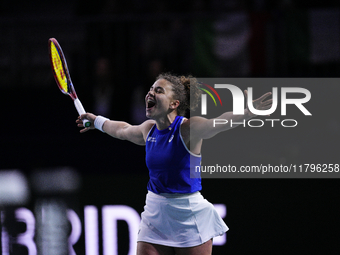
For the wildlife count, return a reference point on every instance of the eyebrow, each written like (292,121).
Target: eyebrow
(157,87)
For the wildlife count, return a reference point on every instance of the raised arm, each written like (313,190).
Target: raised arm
(202,128)
(119,129)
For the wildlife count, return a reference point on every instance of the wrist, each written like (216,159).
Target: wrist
(248,114)
(99,122)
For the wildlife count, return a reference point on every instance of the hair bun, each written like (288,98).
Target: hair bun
(186,82)
(186,90)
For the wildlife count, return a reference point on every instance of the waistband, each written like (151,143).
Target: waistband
(173,195)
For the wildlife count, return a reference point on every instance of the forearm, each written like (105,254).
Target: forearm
(115,128)
(206,128)
(234,120)
(202,128)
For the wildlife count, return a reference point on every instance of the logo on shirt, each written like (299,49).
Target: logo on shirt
(151,139)
(172,137)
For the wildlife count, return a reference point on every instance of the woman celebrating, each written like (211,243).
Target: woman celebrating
(176,218)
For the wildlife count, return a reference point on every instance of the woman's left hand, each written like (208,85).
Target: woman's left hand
(260,103)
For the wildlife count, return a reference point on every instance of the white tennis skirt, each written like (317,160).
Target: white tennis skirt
(179,220)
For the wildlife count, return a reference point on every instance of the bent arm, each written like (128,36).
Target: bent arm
(203,128)
(119,129)
(125,131)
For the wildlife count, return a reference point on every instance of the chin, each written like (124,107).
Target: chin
(148,115)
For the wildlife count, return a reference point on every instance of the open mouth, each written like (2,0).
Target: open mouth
(150,103)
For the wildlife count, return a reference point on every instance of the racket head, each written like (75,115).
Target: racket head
(60,69)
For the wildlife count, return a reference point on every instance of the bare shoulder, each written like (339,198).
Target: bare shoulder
(193,123)
(193,120)
(146,126)
(189,126)
(199,128)
(188,131)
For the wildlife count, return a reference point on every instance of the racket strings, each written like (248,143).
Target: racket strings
(60,70)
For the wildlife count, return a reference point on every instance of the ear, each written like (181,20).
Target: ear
(174,104)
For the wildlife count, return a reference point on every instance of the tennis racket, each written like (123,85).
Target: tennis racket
(62,76)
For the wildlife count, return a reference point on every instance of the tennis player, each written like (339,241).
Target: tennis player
(176,218)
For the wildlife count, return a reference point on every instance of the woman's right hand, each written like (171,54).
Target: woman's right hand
(90,117)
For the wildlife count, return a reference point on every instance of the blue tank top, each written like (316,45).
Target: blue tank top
(172,167)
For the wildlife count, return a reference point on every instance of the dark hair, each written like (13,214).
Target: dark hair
(186,91)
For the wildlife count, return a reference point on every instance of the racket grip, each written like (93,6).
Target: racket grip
(81,111)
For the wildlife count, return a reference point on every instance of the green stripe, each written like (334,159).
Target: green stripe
(206,91)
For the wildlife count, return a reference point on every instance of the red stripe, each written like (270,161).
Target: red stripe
(213,90)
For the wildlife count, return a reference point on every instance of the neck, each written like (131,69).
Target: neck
(164,122)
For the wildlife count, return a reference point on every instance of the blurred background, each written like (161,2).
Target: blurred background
(115,50)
